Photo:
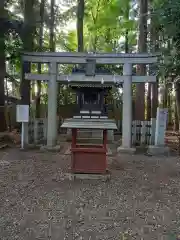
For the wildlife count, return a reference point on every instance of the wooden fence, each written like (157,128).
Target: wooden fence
(143,132)
(37,131)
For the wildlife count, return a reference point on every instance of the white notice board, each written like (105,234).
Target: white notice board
(22,113)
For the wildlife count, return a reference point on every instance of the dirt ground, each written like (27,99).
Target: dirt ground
(38,201)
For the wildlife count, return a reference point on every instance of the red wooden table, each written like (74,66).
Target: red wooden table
(88,158)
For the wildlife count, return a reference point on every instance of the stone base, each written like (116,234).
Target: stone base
(48,148)
(158,150)
(30,147)
(87,176)
(126,150)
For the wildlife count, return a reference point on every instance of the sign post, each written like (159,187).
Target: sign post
(22,115)
(160,148)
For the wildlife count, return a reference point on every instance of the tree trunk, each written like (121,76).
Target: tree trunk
(148,117)
(154,46)
(127,9)
(177,94)
(165,97)
(80,25)
(169,105)
(33,95)
(127,41)
(52,42)
(38,97)
(2,71)
(176,123)
(141,70)
(154,99)
(52,37)
(27,38)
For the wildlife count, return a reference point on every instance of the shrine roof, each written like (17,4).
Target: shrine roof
(102,124)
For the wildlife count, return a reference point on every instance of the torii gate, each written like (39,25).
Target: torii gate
(53,59)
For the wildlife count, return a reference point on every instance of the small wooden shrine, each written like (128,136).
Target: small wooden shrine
(91,96)
(92,115)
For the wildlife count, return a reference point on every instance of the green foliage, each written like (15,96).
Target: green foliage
(105,23)
(67,41)
(168,14)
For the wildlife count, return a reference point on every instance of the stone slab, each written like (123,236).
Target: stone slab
(56,148)
(126,150)
(87,176)
(30,147)
(158,150)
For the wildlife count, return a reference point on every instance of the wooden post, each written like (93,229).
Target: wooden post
(74,135)
(105,139)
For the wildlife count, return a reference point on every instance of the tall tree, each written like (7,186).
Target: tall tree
(170,20)
(148,117)
(2,68)
(126,16)
(27,38)
(80,25)
(38,100)
(154,86)
(141,70)
(52,25)
(154,45)
(176,122)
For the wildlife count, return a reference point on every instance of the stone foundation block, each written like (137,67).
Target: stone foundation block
(158,150)
(130,151)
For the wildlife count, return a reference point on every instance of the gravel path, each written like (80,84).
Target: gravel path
(37,201)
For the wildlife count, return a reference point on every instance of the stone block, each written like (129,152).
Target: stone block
(130,151)
(86,176)
(158,150)
(53,148)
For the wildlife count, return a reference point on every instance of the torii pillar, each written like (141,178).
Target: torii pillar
(126,146)
(52,106)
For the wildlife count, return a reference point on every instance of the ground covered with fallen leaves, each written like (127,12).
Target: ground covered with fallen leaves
(39,201)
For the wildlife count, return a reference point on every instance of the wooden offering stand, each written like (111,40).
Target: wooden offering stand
(89,158)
